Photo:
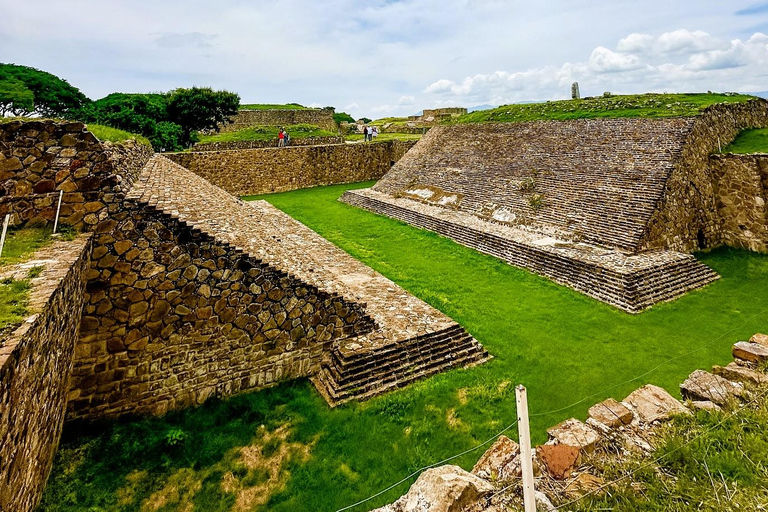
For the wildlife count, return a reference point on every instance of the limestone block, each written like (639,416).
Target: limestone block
(611,413)
(705,405)
(442,489)
(750,352)
(652,403)
(573,432)
(497,458)
(759,338)
(738,373)
(702,385)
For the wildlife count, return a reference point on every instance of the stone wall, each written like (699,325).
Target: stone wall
(39,159)
(741,191)
(248,118)
(263,171)
(35,367)
(260,144)
(686,216)
(174,316)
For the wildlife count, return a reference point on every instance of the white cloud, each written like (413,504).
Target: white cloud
(604,60)
(406,101)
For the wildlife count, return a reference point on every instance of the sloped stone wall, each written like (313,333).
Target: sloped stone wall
(173,317)
(260,144)
(248,118)
(35,367)
(38,159)
(263,171)
(686,216)
(741,191)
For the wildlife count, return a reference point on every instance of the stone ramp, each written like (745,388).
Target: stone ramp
(600,179)
(631,282)
(416,339)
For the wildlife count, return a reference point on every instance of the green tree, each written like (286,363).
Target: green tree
(15,98)
(201,108)
(341,117)
(52,96)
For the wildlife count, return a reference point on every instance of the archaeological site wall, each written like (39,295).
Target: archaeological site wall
(248,118)
(40,159)
(35,367)
(263,171)
(260,144)
(741,192)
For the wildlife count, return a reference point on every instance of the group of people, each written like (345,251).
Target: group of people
(283,138)
(370,132)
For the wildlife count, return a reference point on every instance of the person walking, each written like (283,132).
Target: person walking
(281,139)
(365,134)
(286,137)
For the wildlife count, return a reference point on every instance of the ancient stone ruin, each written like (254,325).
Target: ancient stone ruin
(177,292)
(608,207)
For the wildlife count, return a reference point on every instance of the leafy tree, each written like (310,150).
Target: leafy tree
(52,96)
(342,117)
(15,98)
(201,108)
(365,120)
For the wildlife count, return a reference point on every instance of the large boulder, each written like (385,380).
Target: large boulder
(442,489)
(652,403)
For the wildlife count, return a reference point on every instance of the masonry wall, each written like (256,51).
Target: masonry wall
(248,118)
(260,144)
(263,171)
(741,192)
(38,159)
(35,367)
(686,216)
(173,317)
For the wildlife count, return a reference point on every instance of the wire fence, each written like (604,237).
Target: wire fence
(602,393)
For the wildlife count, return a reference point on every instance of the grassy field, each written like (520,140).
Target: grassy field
(273,106)
(296,131)
(19,245)
(106,133)
(640,105)
(286,446)
(749,141)
(385,136)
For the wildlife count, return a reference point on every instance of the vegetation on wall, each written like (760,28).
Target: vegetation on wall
(25,91)
(272,106)
(296,131)
(749,141)
(638,105)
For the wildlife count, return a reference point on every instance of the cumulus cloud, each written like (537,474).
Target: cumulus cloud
(681,60)
(190,39)
(406,101)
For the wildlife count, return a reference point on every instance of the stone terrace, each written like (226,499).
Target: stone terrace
(631,282)
(409,339)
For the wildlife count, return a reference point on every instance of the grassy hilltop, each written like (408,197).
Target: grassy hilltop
(636,105)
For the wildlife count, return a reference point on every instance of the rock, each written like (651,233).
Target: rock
(652,403)
(442,489)
(760,339)
(750,352)
(611,413)
(496,458)
(542,503)
(560,459)
(738,373)
(705,405)
(573,432)
(702,385)
(582,484)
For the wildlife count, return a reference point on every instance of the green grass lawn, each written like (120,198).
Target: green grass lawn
(273,106)
(385,136)
(569,350)
(104,133)
(21,243)
(638,105)
(749,141)
(296,131)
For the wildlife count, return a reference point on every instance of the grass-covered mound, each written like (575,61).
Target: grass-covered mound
(273,106)
(287,446)
(107,133)
(637,105)
(296,131)
(385,136)
(749,141)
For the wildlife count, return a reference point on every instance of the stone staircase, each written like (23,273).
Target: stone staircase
(354,374)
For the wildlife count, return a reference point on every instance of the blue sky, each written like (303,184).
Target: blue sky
(393,57)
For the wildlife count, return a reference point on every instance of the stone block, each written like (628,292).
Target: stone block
(750,352)
(759,338)
(704,386)
(493,462)
(738,373)
(559,459)
(611,413)
(652,403)
(573,432)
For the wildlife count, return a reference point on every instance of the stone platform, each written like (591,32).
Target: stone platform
(401,339)
(631,282)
